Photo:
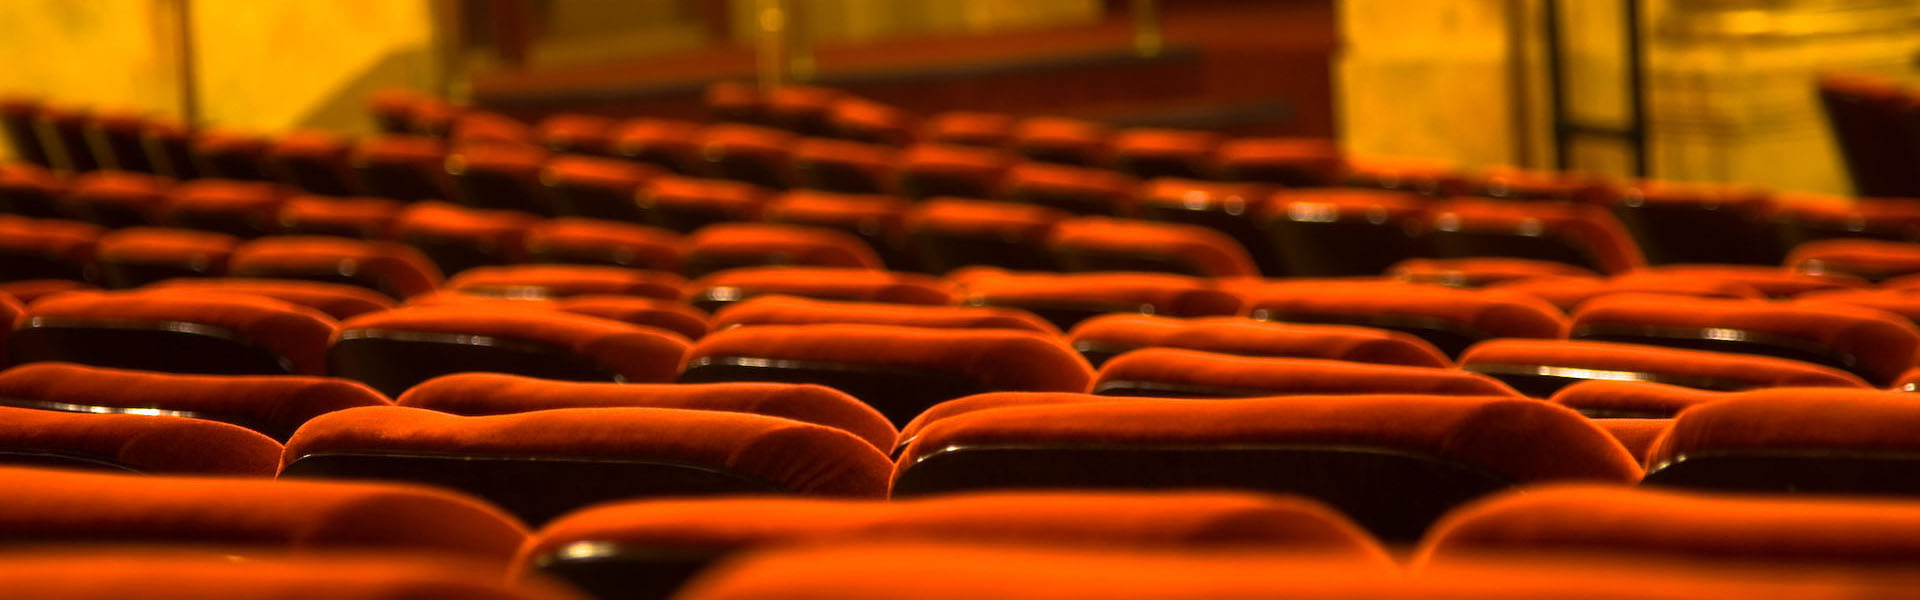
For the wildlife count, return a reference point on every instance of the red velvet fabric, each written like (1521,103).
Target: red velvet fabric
(1489,313)
(640,354)
(120,189)
(370,218)
(1172,295)
(872,161)
(337,300)
(672,138)
(257,203)
(28,290)
(1775,282)
(1631,361)
(575,132)
(969,128)
(559,281)
(861,285)
(290,331)
(979,402)
(862,119)
(627,244)
(1320,158)
(1568,293)
(792,310)
(1147,142)
(396,266)
(1588,227)
(801,457)
(1343,204)
(1478,272)
(872,214)
(1207,252)
(516,160)
(1883,344)
(1804,419)
(998,359)
(1084,140)
(1022,223)
(148,443)
(1235,335)
(498,232)
(1643,397)
(186,248)
(236,574)
(740,201)
(615,175)
(274,402)
(68,241)
(1871,259)
(480,394)
(1268,376)
(776,244)
(1188,194)
(669,315)
(982,165)
(1636,435)
(1088,187)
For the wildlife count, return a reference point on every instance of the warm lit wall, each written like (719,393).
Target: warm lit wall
(273,66)
(106,53)
(1425,78)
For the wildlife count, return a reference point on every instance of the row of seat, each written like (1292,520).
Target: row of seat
(1876,121)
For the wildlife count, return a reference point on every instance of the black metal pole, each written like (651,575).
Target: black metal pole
(1637,107)
(1556,84)
(189,94)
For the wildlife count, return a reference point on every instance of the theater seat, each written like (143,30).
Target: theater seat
(1107,244)
(115,199)
(30,191)
(336,300)
(1148,153)
(877,219)
(945,234)
(137,256)
(458,238)
(12,312)
(393,269)
(83,574)
(597,188)
(668,144)
(576,133)
(27,290)
(1392,463)
(246,209)
(560,281)
(967,128)
(1803,218)
(647,549)
(1774,282)
(1292,162)
(1870,343)
(402,167)
(1582,235)
(1067,299)
(1569,293)
(802,109)
(858,285)
(141,443)
(1340,232)
(842,166)
(1798,440)
(500,176)
(1101,338)
(1078,190)
(315,161)
(1596,523)
(871,122)
(603,243)
(483,128)
(481,394)
(272,405)
(1228,208)
(734,245)
(1182,373)
(1604,399)
(670,315)
(268,517)
(685,204)
(47,249)
(750,154)
(222,334)
(394,350)
(353,217)
(793,310)
(1700,223)
(1451,319)
(1062,141)
(1897,301)
(928,170)
(544,463)
(898,370)
(1872,260)
(1637,435)
(230,154)
(1483,272)
(1514,183)
(1542,367)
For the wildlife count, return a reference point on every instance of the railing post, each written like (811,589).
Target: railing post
(1147,38)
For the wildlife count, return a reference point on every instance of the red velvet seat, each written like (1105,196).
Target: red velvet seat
(458,238)
(30,191)
(1062,141)
(944,234)
(734,101)
(28,290)
(966,128)
(393,269)
(1513,183)
(879,220)
(1106,244)
(871,122)
(1079,190)
(842,166)
(353,217)
(1393,463)
(1148,153)
(930,169)
(733,245)
(396,349)
(1774,282)
(543,463)
(230,154)
(1450,318)
(480,127)
(669,315)
(90,574)
(1101,338)
(1865,112)
(559,281)
(1872,260)
(17,115)
(1067,299)
(802,109)
(1569,293)
(650,547)
(115,199)
(37,249)
(339,301)
(668,144)
(1340,232)
(1637,435)
(137,256)
(315,161)
(1696,223)
(1292,162)
(141,443)
(402,167)
(213,333)
(500,177)
(685,204)
(239,208)
(598,188)
(1542,367)
(792,310)
(1182,373)
(392,108)
(481,394)
(898,370)
(746,153)
(1804,218)
(1627,399)
(577,133)
(611,243)
(1800,440)
(272,405)
(1483,272)
(860,285)
(1873,344)
(1582,235)
(266,516)
(1230,208)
